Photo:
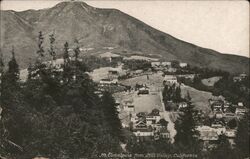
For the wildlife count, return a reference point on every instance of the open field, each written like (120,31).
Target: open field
(199,98)
(102,72)
(211,81)
(146,103)
(154,81)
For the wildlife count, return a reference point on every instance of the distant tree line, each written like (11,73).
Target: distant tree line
(136,64)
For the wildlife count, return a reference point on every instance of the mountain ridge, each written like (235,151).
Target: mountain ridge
(97,28)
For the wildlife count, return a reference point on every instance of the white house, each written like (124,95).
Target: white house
(207,133)
(155,64)
(147,132)
(182,64)
(108,81)
(166,64)
(170,79)
(231,133)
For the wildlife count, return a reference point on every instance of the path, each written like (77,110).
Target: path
(166,115)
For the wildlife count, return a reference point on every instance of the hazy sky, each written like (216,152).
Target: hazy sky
(219,25)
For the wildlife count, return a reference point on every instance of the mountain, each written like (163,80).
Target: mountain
(98,29)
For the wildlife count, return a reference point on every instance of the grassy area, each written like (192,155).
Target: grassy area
(211,81)
(146,103)
(154,81)
(199,98)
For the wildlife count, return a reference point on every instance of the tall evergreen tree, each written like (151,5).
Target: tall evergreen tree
(185,125)
(66,63)
(13,70)
(52,50)
(66,53)
(111,115)
(1,63)
(242,137)
(77,50)
(40,51)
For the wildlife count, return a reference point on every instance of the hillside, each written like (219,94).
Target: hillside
(99,28)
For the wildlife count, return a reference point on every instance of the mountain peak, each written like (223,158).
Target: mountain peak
(74,5)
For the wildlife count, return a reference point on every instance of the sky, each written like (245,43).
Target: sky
(219,25)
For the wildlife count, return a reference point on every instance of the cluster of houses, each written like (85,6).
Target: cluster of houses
(149,126)
(240,77)
(224,113)
(166,66)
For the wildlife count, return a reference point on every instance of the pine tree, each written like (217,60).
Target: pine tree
(40,51)
(77,50)
(111,115)
(1,63)
(66,53)
(178,94)
(66,63)
(185,127)
(52,50)
(13,70)
(242,136)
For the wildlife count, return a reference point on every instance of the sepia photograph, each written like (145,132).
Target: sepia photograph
(124,79)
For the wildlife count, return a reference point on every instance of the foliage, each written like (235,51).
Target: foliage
(242,137)
(185,126)
(56,114)
(136,64)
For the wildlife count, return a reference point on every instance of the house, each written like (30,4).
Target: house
(182,64)
(187,76)
(155,64)
(170,79)
(236,79)
(218,127)
(113,74)
(143,91)
(217,106)
(182,105)
(171,69)
(108,81)
(240,110)
(164,133)
(153,118)
(218,115)
(230,133)
(140,124)
(128,106)
(143,133)
(240,77)
(168,64)
(229,116)
(207,133)
(243,76)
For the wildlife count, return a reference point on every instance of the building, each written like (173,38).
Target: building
(240,77)
(153,118)
(164,133)
(217,106)
(230,133)
(182,105)
(155,64)
(182,64)
(207,133)
(143,132)
(170,79)
(128,106)
(113,74)
(166,64)
(108,81)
